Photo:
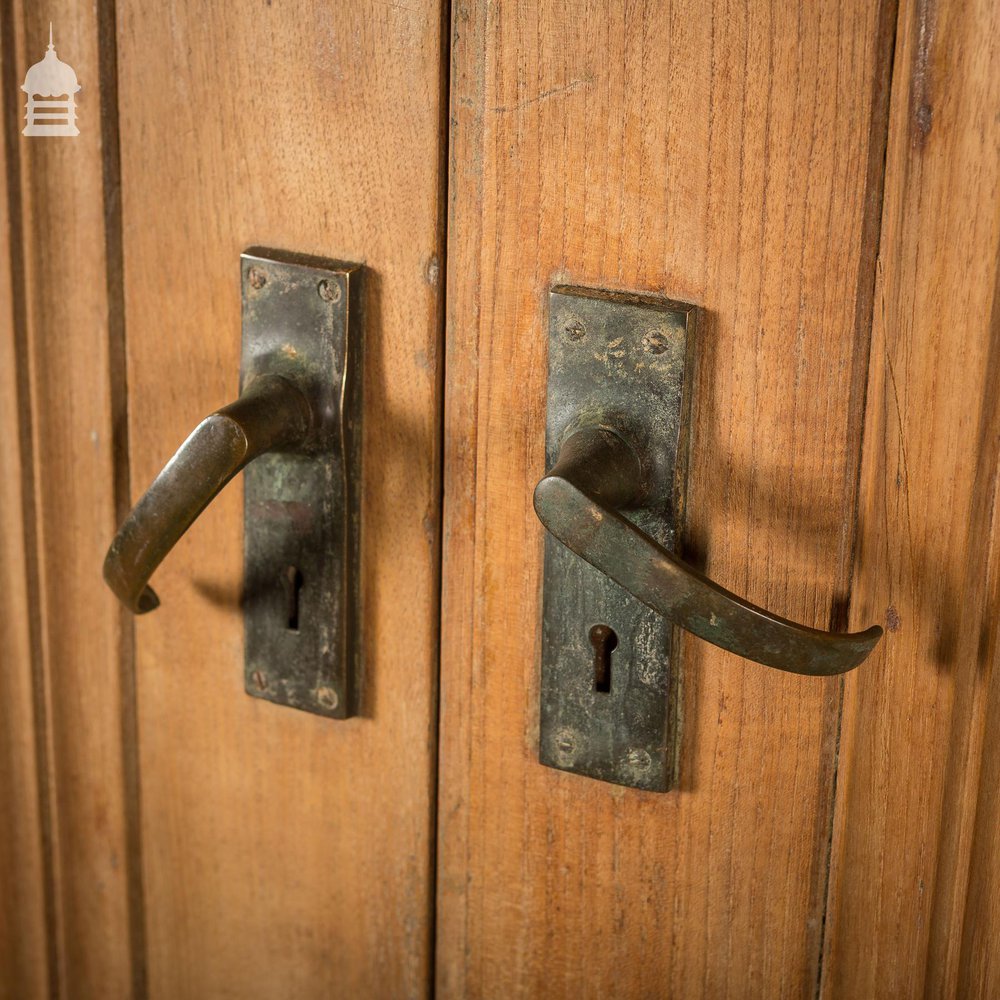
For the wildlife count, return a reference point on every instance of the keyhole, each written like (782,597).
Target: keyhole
(604,641)
(293,590)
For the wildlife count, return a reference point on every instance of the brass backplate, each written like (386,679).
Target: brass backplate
(302,317)
(618,361)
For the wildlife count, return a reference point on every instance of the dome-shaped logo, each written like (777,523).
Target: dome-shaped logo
(50,86)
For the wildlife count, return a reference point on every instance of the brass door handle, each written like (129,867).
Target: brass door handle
(598,473)
(296,429)
(272,414)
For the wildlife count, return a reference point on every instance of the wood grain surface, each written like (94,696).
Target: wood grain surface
(166,836)
(915,880)
(285,855)
(727,156)
(65,326)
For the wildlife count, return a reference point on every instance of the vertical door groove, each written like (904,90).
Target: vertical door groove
(867,283)
(118,385)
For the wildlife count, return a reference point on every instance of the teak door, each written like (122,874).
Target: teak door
(822,179)
(823,182)
(185,840)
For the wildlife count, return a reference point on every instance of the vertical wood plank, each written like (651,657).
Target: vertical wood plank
(728,156)
(979,964)
(914,878)
(285,854)
(66,356)
(24,966)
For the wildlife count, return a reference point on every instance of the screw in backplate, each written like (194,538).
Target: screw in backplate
(257,277)
(575,330)
(327,697)
(654,342)
(259,679)
(638,759)
(566,743)
(329,291)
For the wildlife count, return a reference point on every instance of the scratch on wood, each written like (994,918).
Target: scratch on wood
(902,445)
(567,88)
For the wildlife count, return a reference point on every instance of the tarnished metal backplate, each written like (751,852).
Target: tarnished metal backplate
(616,361)
(302,317)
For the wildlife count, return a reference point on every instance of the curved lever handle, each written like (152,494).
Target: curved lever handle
(271,414)
(596,473)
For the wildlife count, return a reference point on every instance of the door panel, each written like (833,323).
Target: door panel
(284,855)
(722,155)
(914,882)
(23,954)
(201,843)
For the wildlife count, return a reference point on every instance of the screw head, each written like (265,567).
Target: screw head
(654,342)
(259,680)
(329,291)
(575,330)
(565,742)
(327,697)
(639,759)
(257,277)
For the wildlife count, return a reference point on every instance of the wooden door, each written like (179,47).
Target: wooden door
(173,837)
(822,179)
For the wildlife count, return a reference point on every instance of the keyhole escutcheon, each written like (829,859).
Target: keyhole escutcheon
(604,641)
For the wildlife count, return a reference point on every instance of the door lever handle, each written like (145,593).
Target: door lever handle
(596,474)
(272,414)
(296,429)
